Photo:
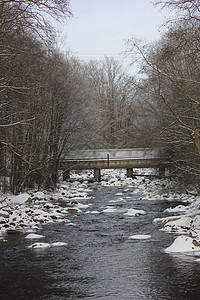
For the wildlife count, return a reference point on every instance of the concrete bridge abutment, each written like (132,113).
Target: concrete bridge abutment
(129,172)
(97,174)
(66,174)
(161,171)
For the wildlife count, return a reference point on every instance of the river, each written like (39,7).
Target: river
(100,261)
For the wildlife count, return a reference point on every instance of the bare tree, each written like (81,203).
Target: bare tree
(114,93)
(25,49)
(171,68)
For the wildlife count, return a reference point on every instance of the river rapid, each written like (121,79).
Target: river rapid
(100,261)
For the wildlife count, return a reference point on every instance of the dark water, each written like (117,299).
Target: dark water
(100,262)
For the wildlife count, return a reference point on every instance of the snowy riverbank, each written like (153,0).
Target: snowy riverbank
(27,212)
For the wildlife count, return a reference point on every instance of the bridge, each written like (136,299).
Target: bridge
(111,159)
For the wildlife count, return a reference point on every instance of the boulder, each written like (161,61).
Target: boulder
(72,210)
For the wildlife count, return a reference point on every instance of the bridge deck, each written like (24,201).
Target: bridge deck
(112,158)
(113,153)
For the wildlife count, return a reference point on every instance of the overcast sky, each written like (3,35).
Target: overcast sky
(101,27)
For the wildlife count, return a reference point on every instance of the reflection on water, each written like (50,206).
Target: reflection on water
(100,262)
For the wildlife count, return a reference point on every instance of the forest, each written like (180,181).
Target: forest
(51,102)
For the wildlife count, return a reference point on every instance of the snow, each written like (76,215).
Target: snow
(39,246)
(70,224)
(183,219)
(84,206)
(27,212)
(196,222)
(109,210)
(134,212)
(179,208)
(183,244)
(180,226)
(46,245)
(58,244)
(19,199)
(34,236)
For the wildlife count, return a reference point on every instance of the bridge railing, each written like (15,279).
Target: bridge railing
(112,154)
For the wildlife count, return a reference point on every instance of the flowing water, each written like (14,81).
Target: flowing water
(100,261)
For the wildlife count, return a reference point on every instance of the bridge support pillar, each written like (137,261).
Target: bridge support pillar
(129,172)
(97,174)
(161,171)
(66,174)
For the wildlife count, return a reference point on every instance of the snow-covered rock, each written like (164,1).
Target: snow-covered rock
(58,244)
(140,237)
(39,246)
(179,208)
(196,222)
(34,236)
(180,226)
(109,210)
(83,206)
(134,212)
(19,199)
(183,244)
(28,211)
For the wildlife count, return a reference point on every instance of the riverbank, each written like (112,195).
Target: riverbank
(27,212)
